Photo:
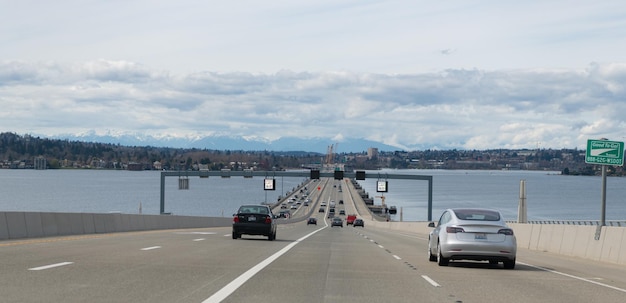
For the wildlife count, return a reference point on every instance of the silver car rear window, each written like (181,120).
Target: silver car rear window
(477,214)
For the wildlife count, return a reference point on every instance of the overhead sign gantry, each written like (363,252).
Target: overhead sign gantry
(312,174)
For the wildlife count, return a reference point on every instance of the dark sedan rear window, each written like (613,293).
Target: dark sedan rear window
(477,214)
(253,210)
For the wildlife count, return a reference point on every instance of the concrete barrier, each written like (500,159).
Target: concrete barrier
(574,240)
(19,225)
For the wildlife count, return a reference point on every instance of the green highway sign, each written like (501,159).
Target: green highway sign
(605,152)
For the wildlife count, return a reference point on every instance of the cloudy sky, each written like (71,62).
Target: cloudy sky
(442,74)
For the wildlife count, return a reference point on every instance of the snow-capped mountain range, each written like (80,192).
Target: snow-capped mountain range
(319,145)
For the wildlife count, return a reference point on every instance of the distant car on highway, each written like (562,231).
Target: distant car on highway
(336,222)
(358,222)
(472,234)
(322,210)
(254,220)
(342,212)
(311,221)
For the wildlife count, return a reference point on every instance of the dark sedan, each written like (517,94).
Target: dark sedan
(311,221)
(358,222)
(254,220)
(336,222)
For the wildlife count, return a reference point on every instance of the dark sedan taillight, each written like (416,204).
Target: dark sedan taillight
(236,219)
(454,230)
(506,231)
(268,220)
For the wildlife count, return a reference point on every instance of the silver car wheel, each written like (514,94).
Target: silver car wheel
(431,257)
(440,259)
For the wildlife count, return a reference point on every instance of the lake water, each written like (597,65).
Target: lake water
(550,196)
(103,191)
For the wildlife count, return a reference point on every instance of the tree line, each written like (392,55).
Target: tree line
(16,150)
(64,153)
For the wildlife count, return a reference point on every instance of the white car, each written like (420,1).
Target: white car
(472,234)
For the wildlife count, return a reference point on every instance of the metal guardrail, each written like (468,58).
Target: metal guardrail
(576,222)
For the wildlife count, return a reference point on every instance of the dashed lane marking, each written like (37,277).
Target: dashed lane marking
(431,281)
(151,248)
(51,266)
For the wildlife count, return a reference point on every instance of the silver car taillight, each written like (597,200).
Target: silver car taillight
(453,230)
(506,231)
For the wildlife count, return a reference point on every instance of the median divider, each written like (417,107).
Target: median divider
(19,225)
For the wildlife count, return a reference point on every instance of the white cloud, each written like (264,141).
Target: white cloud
(412,74)
(458,109)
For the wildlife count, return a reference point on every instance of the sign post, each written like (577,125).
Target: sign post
(604,152)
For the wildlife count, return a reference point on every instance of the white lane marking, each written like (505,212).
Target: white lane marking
(574,277)
(431,281)
(227,235)
(51,266)
(397,258)
(239,281)
(151,248)
(381,246)
(201,239)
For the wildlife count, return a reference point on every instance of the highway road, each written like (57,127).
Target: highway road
(304,264)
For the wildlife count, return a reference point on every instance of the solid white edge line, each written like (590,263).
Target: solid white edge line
(235,284)
(51,266)
(574,277)
(431,281)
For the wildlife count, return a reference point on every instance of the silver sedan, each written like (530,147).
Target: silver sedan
(472,234)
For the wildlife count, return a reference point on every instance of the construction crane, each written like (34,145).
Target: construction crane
(330,154)
(382,198)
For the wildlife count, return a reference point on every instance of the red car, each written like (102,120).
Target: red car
(350,219)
